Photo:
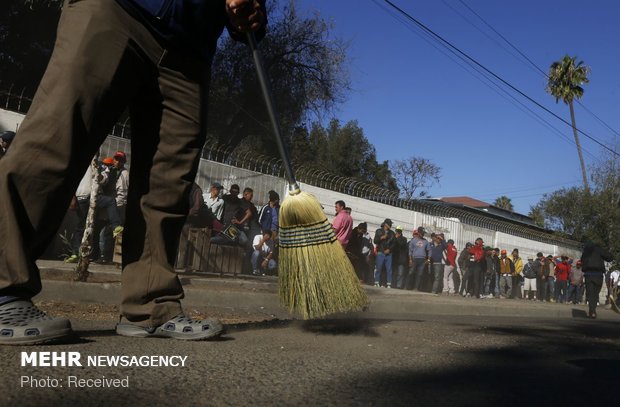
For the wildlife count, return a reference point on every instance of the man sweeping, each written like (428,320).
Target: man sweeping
(152,57)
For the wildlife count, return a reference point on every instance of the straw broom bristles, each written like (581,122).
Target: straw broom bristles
(316,277)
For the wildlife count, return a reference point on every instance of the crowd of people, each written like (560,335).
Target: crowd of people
(387,259)
(236,220)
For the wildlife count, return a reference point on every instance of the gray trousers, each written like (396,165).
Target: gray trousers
(103,62)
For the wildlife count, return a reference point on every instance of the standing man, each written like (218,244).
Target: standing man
(401,258)
(438,247)
(517,278)
(419,253)
(593,261)
(539,267)
(562,272)
(109,56)
(550,279)
(451,272)
(476,269)
(342,224)
(384,239)
(529,283)
(465,261)
(122,183)
(576,283)
(506,272)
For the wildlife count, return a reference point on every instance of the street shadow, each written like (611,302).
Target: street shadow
(579,313)
(350,326)
(545,364)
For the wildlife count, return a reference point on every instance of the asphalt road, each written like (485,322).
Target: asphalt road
(385,360)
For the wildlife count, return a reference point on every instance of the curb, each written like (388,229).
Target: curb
(260,295)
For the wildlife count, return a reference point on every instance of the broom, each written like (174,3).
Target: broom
(316,277)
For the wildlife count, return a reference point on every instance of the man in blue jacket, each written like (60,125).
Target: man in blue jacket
(152,57)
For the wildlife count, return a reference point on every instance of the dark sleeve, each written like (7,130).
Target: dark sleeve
(391,241)
(196,201)
(606,255)
(378,235)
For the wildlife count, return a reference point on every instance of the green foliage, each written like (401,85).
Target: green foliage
(537,214)
(588,214)
(308,74)
(565,79)
(504,202)
(564,82)
(342,150)
(24,50)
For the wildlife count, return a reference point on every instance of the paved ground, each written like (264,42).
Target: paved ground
(408,349)
(388,361)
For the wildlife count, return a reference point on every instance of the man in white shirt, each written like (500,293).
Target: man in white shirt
(263,255)
(214,201)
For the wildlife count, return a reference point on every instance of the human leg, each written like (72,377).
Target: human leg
(379,267)
(388,270)
(594,283)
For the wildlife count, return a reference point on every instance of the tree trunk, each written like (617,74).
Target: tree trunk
(578,144)
(81,271)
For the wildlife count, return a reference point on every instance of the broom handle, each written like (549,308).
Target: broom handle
(268,96)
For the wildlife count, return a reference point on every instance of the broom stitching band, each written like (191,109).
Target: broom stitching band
(305,225)
(298,237)
(305,244)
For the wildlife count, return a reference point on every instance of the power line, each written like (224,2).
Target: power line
(483,78)
(532,63)
(505,82)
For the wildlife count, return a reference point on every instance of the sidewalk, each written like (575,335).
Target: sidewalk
(258,295)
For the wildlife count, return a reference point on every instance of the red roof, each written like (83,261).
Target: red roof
(465,200)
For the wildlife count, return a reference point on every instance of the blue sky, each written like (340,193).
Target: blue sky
(412,99)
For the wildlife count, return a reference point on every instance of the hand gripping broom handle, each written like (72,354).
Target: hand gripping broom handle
(267,95)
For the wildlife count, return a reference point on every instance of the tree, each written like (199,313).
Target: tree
(537,215)
(594,215)
(565,80)
(504,202)
(342,150)
(306,65)
(415,174)
(25,51)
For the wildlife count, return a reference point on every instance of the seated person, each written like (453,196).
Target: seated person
(263,255)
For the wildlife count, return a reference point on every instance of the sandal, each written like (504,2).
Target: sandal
(22,323)
(179,327)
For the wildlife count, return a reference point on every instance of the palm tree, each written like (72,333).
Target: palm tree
(504,202)
(565,80)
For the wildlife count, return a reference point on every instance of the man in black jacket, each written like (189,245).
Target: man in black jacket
(153,58)
(384,239)
(400,258)
(593,261)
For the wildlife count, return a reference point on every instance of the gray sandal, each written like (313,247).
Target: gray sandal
(179,327)
(22,323)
